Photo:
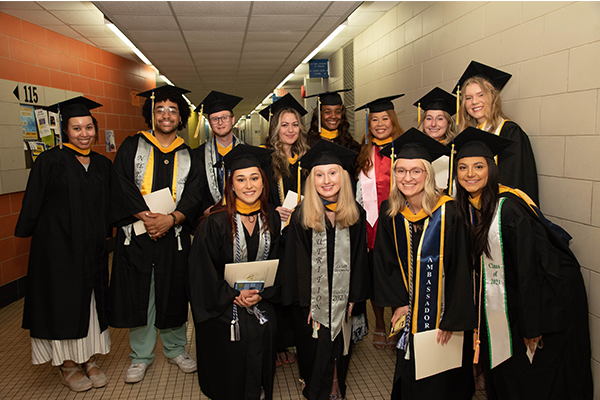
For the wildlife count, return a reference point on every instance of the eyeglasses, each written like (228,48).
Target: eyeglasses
(414,173)
(215,120)
(170,110)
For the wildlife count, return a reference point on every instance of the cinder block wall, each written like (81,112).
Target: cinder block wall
(552,49)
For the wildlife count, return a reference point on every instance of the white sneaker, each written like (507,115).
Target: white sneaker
(185,362)
(136,372)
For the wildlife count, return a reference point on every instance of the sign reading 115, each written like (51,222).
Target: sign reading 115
(30,94)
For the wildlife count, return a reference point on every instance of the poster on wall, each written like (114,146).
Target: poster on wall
(54,127)
(110,141)
(36,149)
(29,124)
(43,125)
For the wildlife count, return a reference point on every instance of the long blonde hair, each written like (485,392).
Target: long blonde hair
(494,112)
(313,210)
(431,196)
(451,131)
(281,165)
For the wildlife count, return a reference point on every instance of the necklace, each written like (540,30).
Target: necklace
(251,218)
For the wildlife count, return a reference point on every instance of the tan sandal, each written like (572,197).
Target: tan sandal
(98,380)
(80,385)
(380,340)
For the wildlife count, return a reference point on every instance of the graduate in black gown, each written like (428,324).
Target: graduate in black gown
(421,268)
(287,139)
(529,289)
(481,107)
(65,211)
(236,360)
(148,288)
(324,271)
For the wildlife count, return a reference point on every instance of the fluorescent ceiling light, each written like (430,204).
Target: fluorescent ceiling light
(326,41)
(125,40)
(283,82)
(267,98)
(164,78)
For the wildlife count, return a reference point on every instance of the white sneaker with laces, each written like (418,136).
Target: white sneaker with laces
(136,372)
(185,362)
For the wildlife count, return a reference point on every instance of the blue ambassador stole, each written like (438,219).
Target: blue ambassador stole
(423,276)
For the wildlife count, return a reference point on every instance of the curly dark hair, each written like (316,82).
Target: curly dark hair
(163,95)
(344,137)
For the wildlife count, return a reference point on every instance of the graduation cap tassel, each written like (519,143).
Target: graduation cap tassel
(366,126)
(152,98)
(299,186)
(270,114)
(60,132)
(457,103)
(392,168)
(451,169)
(319,111)
(419,115)
(199,120)
(223,174)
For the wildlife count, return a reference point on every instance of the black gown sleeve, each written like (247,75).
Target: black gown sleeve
(296,256)
(211,295)
(191,198)
(40,182)
(388,286)
(517,164)
(273,293)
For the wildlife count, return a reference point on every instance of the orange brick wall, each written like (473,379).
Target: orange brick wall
(35,55)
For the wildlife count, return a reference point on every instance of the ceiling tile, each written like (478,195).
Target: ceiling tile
(147,36)
(261,55)
(160,57)
(270,46)
(133,7)
(281,36)
(212,36)
(173,47)
(289,7)
(67,5)
(201,23)
(216,46)
(343,8)
(208,58)
(327,24)
(208,62)
(80,17)
(165,63)
(280,23)
(230,8)
(19,5)
(94,31)
(142,22)
(38,17)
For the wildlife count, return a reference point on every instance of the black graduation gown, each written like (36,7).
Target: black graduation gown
(516,164)
(133,264)
(65,210)
(459,312)
(546,296)
(317,357)
(289,183)
(230,370)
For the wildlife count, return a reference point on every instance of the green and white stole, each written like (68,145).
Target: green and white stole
(493,281)
(340,285)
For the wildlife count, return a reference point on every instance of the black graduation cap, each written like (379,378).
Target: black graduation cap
(381,104)
(473,142)
(246,156)
(330,98)
(176,89)
(325,152)
(287,101)
(415,144)
(495,76)
(218,101)
(437,99)
(75,107)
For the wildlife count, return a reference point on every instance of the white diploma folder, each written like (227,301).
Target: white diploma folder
(431,358)
(291,199)
(253,271)
(161,202)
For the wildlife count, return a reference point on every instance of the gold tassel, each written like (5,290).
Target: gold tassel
(152,98)
(457,103)
(451,169)
(319,111)
(60,138)
(392,170)
(419,116)
(299,185)
(366,126)
(476,343)
(223,170)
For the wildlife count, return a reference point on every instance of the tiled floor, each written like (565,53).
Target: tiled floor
(370,375)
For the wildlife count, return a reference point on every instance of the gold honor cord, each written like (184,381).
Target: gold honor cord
(199,121)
